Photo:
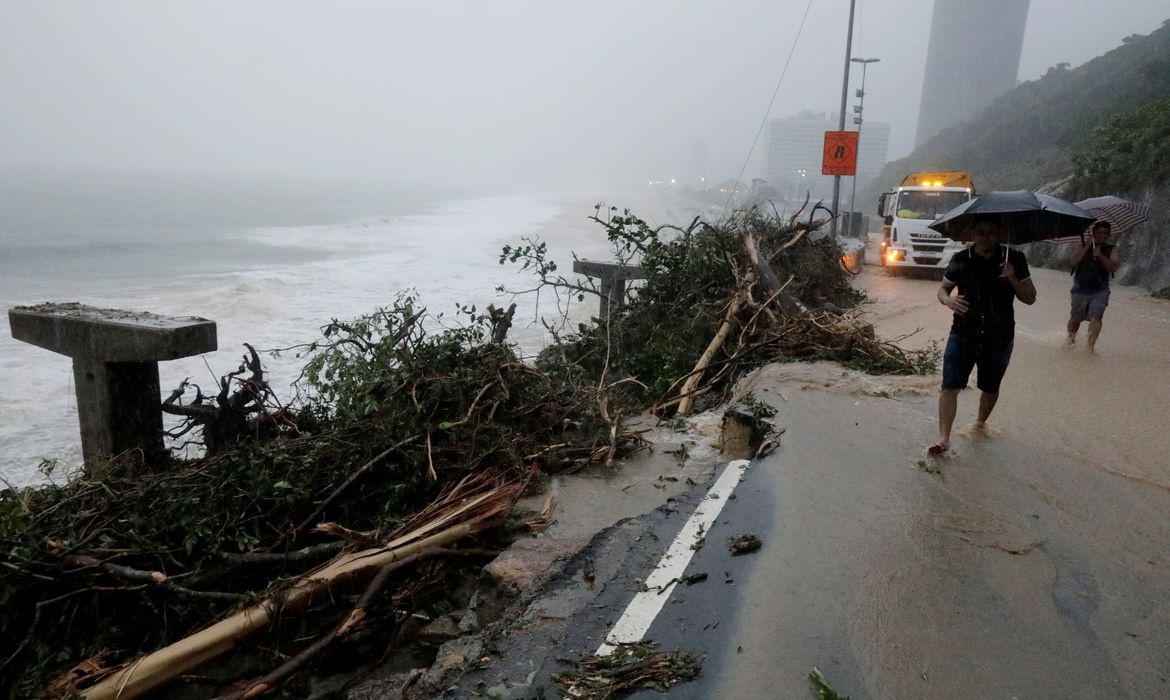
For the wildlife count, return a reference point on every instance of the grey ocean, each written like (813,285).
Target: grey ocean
(269,262)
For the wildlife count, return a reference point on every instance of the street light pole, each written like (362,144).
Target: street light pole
(841,120)
(860,109)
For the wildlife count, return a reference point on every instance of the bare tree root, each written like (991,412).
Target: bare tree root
(251,410)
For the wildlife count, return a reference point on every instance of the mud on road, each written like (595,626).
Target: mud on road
(1035,562)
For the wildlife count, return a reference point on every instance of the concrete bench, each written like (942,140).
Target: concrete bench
(613,278)
(115,369)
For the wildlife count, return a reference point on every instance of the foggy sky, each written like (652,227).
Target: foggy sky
(536,94)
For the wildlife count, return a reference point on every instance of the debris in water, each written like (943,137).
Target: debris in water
(545,518)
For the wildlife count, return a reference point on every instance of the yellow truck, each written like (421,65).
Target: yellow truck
(907,211)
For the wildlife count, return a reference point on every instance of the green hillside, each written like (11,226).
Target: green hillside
(1101,119)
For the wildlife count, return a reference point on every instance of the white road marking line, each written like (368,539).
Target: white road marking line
(645,606)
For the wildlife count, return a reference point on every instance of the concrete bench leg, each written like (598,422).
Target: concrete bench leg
(613,291)
(118,410)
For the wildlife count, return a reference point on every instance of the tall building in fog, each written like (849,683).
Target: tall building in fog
(973,58)
(796,148)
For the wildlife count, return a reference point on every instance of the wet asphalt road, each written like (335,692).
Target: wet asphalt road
(1033,563)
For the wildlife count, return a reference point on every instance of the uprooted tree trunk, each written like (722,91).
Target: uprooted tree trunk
(460,515)
(687,393)
(230,415)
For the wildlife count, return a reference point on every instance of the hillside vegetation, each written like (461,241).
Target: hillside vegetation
(1069,121)
(1098,129)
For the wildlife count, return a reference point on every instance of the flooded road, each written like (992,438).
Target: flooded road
(1034,562)
(1111,408)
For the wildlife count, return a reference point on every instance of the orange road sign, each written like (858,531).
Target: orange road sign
(840,153)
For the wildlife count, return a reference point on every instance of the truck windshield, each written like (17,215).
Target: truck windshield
(928,205)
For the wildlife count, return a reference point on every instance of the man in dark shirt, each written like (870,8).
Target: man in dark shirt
(1092,264)
(989,278)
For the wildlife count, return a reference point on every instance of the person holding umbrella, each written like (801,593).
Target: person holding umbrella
(1092,264)
(989,278)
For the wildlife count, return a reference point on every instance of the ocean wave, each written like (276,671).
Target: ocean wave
(447,252)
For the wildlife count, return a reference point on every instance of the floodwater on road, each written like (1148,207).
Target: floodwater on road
(1033,562)
(1107,408)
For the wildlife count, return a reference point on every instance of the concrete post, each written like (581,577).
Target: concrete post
(115,369)
(613,278)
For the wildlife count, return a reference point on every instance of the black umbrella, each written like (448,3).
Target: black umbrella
(1025,215)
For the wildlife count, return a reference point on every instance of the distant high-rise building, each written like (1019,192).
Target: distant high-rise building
(973,58)
(796,150)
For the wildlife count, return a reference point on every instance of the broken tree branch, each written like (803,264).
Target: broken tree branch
(375,586)
(684,406)
(465,515)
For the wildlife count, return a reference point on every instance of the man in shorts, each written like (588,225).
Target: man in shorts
(1092,265)
(989,278)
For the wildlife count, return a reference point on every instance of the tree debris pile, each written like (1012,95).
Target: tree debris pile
(627,668)
(393,418)
(225,419)
(717,301)
(411,436)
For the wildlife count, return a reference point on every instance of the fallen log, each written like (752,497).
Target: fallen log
(684,406)
(273,679)
(467,514)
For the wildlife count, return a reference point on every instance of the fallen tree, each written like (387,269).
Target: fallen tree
(717,300)
(250,411)
(302,523)
(458,515)
(392,417)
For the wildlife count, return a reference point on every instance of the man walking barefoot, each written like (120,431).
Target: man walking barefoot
(989,278)
(1092,264)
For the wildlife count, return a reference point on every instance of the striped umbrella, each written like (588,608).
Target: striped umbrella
(1122,215)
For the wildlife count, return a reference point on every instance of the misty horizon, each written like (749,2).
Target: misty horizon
(489,96)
